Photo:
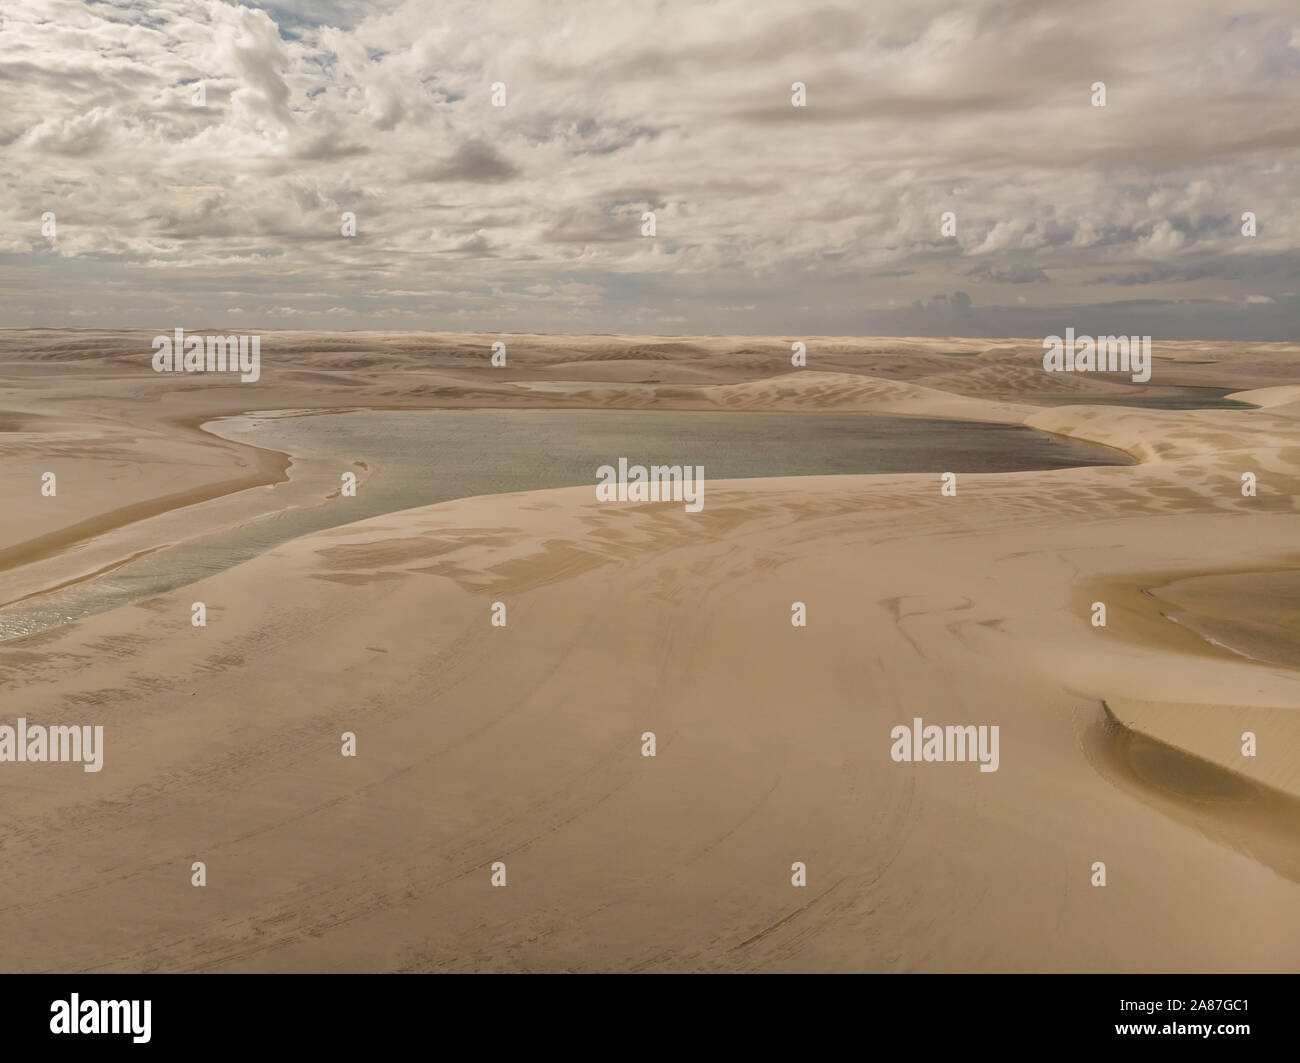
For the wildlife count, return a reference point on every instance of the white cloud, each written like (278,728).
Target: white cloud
(314,109)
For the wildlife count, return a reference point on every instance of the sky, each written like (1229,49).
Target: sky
(769,218)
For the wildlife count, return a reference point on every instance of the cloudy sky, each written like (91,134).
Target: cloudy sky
(770,218)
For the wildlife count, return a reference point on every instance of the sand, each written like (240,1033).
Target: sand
(522,744)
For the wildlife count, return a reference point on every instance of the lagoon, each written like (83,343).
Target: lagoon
(419,457)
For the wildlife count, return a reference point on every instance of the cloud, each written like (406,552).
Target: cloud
(73,136)
(820,217)
(474,161)
(957,302)
(1013,274)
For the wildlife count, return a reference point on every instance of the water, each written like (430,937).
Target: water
(419,457)
(1180,398)
(597,385)
(1190,397)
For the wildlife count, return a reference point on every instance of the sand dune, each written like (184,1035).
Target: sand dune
(522,744)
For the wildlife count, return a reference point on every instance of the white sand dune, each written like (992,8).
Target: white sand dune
(522,744)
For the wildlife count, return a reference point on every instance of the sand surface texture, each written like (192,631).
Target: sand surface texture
(522,744)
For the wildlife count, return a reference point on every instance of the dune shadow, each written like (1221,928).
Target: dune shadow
(1256,820)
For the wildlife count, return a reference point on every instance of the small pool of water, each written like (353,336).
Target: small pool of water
(1166,399)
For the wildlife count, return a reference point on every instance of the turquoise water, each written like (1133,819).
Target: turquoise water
(419,457)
